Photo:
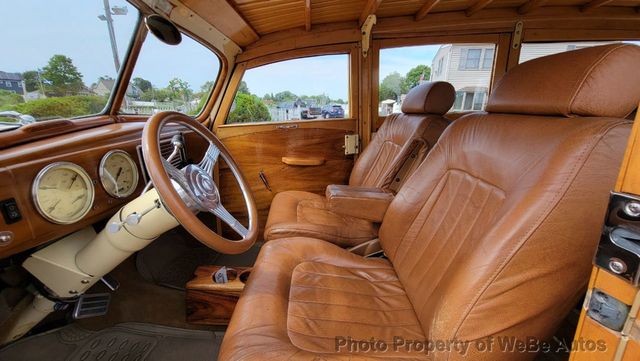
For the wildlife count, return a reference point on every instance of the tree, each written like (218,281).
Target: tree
(285,96)
(31,80)
(414,75)
(392,86)
(142,84)
(243,88)
(180,89)
(248,108)
(207,86)
(61,76)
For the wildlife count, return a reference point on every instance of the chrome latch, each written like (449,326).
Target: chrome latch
(351,144)
(607,310)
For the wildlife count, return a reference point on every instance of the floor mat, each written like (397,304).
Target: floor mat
(126,341)
(172,259)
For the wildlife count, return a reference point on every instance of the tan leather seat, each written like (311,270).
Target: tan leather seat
(295,213)
(492,236)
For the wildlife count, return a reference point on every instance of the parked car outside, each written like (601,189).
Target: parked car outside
(311,113)
(332,111)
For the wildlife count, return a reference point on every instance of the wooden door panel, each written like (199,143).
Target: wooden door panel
(262,148)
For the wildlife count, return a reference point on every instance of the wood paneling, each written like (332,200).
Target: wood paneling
(210,303)
(19,166)
(225,18)
(261,149)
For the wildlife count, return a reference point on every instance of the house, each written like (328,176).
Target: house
(12,82)
(103,86)
(468,67)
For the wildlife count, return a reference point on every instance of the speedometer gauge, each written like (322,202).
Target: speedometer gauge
(63,192)
(118,173)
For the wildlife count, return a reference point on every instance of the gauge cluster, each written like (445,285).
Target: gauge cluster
(63,192)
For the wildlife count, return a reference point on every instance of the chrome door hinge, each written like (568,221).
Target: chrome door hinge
(351,144)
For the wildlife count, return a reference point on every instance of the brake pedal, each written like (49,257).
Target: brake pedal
(92,305)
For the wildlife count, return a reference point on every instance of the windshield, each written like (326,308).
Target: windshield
(64,57)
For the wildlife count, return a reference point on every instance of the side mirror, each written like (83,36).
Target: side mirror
(163,29)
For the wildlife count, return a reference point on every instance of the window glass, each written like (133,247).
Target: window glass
(299,89)
(64,57)
(468,67)
(171,77)
(531,51)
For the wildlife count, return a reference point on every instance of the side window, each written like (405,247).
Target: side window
(468,67)
(299,89)
(171,77)
(530,51)
(60,59)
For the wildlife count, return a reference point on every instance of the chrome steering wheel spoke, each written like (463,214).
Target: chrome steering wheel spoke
(230,220)
(210,158)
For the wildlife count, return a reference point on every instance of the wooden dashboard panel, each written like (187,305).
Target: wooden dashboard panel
(19,166)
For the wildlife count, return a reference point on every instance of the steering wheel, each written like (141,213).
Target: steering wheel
(190,190)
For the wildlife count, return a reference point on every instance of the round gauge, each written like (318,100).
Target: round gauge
(63,192)
(118,173)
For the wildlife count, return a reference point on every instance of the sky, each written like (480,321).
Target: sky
(72,28)
(404,59)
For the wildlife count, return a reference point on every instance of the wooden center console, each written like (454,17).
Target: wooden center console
(210,303)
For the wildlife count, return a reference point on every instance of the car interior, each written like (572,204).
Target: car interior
(320,180)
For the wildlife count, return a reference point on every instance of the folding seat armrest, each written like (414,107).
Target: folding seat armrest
(359,202)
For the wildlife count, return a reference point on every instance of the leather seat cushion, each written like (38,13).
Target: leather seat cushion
(308,292)
(304,214)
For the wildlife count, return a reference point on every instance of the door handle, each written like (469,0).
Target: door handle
(287,126)
(264,180)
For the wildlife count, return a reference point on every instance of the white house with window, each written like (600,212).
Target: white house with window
(468,67)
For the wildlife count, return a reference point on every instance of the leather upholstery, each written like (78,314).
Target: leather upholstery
(304,214)
(376,167)
(492,236)
(592,82)
(429,98)
(359,202)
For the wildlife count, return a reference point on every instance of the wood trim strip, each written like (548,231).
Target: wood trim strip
(481,4)
(531,5)
(594,4)
(307,15)
(425,9)
(303,162)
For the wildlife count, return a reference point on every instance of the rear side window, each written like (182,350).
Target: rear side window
(468,67)
(530,51)
(294,90)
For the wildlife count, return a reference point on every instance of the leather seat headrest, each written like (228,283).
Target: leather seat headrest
(600,81)
(429,98)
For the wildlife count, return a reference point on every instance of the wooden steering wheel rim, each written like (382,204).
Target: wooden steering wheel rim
(173,201)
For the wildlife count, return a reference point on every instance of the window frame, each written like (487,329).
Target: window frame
(501,42)
(349,49)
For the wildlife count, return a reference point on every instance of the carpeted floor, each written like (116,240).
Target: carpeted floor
(127,341)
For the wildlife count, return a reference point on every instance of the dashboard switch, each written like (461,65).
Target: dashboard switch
(10,211)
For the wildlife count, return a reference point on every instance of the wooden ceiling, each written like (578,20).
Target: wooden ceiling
(246,21)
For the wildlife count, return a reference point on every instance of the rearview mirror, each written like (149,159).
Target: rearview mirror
(163,29)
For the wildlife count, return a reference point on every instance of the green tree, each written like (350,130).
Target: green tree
(413,76)
(285,96)
(243,88)
(142,84)
(392,86)
(31,80)
(180,89)
(61,76)
(248,108)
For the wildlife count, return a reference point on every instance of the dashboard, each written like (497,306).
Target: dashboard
(53,187)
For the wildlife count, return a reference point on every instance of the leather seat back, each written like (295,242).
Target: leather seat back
(414,131)
(495,232)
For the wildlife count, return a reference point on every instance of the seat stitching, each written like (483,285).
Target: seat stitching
(350,292)
(356,322)
(348,277)
(349,306)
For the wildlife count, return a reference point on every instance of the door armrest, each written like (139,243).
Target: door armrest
(359,202)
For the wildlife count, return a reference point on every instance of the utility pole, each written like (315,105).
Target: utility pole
(112,35)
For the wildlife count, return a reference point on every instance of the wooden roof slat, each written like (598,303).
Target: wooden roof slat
(479,5)
(594,4)
(226,18)
(424,10)
(369,9)
(307,15)
(531,5)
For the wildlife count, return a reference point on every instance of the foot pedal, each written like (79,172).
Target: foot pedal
(92,305)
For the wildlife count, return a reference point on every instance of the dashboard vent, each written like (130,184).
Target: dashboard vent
(166,148)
